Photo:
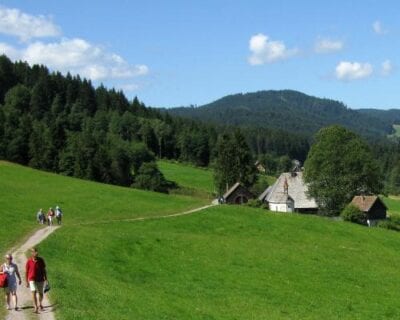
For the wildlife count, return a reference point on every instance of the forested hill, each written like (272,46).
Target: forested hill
(62,123)
(288,110)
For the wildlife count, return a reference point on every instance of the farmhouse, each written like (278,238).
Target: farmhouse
(372,206)
(289,194)
(237,194)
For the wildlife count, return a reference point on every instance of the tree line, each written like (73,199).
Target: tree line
(62,123)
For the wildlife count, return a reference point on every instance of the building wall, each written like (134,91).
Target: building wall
(241,194)
(280,207)
(378,211)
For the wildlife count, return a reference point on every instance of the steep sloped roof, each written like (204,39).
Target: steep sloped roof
(365,203)
(297,191)
(265,193)
(232,189)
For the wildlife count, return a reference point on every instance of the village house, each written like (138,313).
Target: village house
(373,208)
(237,194)
(289,194)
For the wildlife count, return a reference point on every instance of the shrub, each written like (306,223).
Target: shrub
(392,223)
(254,203)
(353,214)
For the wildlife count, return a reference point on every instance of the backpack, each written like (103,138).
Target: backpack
(3,280)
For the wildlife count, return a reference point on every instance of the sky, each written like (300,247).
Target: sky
(179,53)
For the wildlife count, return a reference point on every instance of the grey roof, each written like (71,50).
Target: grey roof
(297,191)
(265,193)
(232,189)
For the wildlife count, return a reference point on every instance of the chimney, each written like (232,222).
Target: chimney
(285,187)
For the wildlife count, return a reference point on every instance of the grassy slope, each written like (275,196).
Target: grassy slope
(225,263)
(396,133)
(200,179)
(23,191)
(188,176)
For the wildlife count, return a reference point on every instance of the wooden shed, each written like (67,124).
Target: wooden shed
(372,206)
(237,194)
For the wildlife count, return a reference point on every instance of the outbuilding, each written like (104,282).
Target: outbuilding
(237,194)
(372,206)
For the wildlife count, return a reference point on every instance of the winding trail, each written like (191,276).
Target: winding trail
(24,296)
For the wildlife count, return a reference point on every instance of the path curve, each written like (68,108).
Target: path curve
(24,296)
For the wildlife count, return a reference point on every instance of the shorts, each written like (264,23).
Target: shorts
(12,290)
(36,286)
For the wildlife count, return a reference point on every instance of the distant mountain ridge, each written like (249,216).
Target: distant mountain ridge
(291,111)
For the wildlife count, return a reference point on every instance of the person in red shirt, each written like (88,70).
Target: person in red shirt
(36,276)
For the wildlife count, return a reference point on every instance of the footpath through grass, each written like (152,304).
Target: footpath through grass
(23,191)
(227,262)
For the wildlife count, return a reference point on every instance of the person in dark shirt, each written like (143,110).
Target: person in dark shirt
(36,276)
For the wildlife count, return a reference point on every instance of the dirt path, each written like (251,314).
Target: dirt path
(24,295)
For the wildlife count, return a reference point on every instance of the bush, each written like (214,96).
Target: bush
(392,223)
(353,214)
(255,203)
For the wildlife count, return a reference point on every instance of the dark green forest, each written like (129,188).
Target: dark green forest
(65,125)
(291,111)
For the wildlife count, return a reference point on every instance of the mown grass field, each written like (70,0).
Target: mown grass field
(225,263)
(192,180)
(23,191)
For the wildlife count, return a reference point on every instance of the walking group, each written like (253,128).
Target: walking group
(35,280)
(51,215)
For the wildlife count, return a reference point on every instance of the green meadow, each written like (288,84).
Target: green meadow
(190,180)
(23,191)
(226,262)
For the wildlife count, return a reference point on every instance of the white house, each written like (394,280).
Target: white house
(289,194)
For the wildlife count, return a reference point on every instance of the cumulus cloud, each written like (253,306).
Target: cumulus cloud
(24,26)
(77,56)
(264,50)
(328,46)
(387,68)
(378,28)
(348,71)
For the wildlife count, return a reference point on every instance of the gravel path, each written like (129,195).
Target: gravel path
(25,302)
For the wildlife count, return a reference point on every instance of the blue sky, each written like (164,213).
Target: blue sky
(173,53)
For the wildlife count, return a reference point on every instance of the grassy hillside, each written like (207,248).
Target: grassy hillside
(24,191)
(225,263)
(189,178)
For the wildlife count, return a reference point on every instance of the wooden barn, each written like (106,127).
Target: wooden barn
(237,194)
(372,206)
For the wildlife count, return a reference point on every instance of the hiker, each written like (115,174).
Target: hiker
(36,276)
(50,216)
(59,215)
(41,217)
(11,269)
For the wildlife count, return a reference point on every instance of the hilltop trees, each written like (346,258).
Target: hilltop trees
(233,162)
(339,166)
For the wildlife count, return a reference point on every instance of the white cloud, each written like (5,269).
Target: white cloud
(328,46)
(130,87)
(77,56)
(24,26)
(387,68)
(348,71)
(378,28)
(263,50)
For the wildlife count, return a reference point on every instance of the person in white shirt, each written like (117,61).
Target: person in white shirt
(11,269)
